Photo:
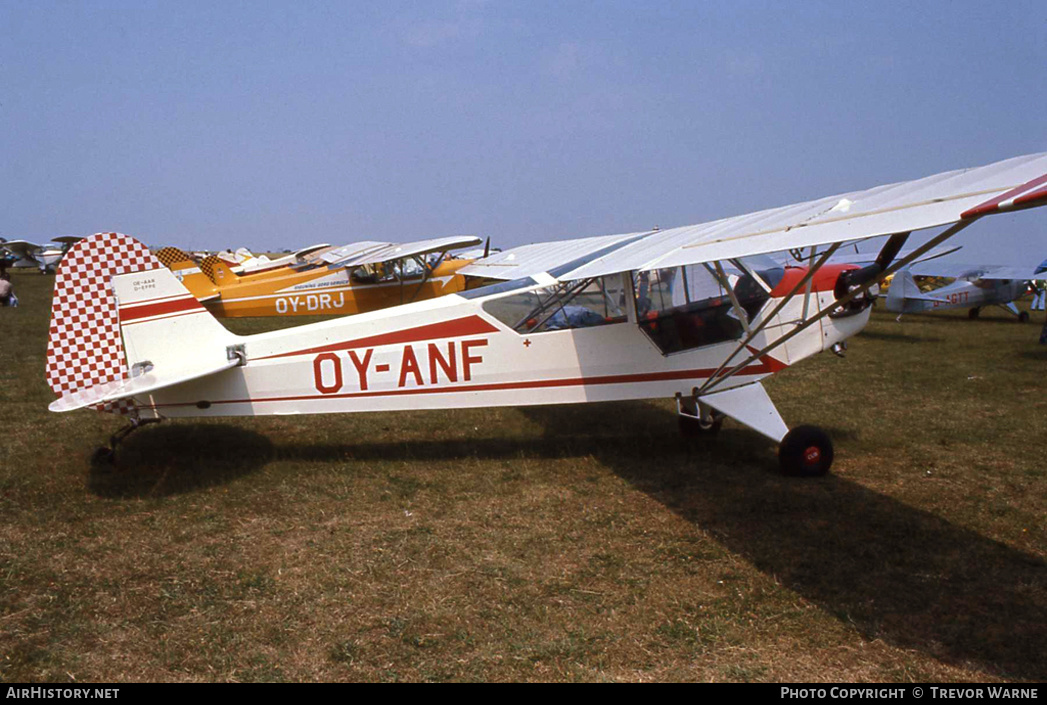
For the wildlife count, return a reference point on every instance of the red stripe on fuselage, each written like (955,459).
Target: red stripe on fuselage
(772,364)
(470,325)
(178,314)
(768,366)
(131,313)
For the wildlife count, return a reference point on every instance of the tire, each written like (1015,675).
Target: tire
(973,313)
(1023,317)
(806,451)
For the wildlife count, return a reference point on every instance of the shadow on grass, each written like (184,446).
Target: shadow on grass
(170,459)
(895,572)
(1038,353)
(994,317)
(892,337)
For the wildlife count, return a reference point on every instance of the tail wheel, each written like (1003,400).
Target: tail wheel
(1023,317)
(973,313)
(806,451)
(692,427)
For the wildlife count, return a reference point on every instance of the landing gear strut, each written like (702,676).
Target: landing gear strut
(697,420)
(106,455)
(806,451)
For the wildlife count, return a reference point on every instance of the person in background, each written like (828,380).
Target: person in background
(1039,293)
(7,294)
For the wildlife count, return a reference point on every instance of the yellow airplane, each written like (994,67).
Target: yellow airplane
(364,276)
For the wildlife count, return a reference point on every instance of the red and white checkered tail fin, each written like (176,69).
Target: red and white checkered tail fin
(116,306)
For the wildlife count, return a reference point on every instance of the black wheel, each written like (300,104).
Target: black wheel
(1023,317)
(692,427)
(973,313)
(806,451)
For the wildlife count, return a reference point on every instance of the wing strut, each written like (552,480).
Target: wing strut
(721,277)
(716,378)
(769,317)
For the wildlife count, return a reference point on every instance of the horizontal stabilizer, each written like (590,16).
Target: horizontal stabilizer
(125,388)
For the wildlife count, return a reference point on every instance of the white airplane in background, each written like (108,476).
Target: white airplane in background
(127,337)
(43,257)
(974,287)
(244,261)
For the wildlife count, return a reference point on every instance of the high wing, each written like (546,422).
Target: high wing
(23,249)
(338,255)
(865,258)
(951,197)
(958,270)
(252,263)
(67,240)
(529,260)
(362,253)
(311,249)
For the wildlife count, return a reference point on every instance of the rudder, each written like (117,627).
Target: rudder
(84,348)
(218,271)
(903,286)
(101,324)
(188,272)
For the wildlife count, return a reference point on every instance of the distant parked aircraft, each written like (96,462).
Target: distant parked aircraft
(975,286)
(363,276)
(44,257)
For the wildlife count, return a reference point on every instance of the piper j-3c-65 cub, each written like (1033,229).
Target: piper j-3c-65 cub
(688,313)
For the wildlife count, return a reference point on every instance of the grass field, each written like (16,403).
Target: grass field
(564,543)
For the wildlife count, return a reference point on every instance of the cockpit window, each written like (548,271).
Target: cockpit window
(391,271)
(688,307)
(576,304)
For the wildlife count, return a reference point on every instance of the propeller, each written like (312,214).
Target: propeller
(857,278)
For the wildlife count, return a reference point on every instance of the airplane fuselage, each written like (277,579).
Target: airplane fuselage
(962,293)
(454,352)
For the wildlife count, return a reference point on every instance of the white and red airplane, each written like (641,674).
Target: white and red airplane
(597,319)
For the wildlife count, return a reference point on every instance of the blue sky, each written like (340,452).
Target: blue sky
(273,125)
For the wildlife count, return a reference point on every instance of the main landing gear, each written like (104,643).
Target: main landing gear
(697,420)
(805,451)
(1023,316)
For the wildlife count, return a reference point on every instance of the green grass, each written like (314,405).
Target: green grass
(563,543)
